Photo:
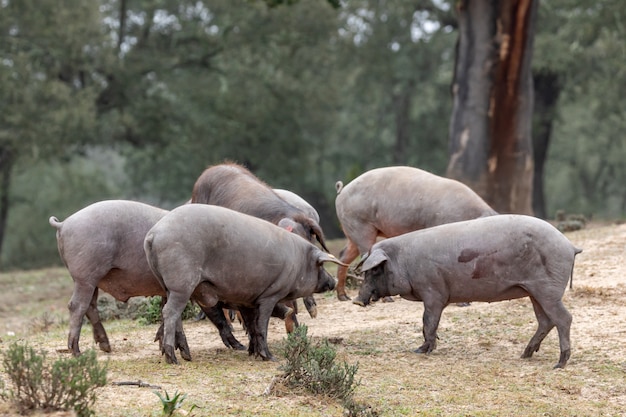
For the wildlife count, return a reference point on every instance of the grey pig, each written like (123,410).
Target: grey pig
(387,202)
(489,259)
(233,186)
(216,254)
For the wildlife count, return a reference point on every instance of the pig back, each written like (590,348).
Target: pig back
(218,238)
(234,187)
(102,244)
(484,257)
(401,199)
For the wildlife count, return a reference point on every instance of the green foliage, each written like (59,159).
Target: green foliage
(96,109)
(173,403)
(54,189)
(4,395)
(582,42)
(313,367)
(150,311)
(66,384)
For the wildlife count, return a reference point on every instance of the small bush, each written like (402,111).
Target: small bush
(150,311)
(313,367)
(67,384)
(173,403)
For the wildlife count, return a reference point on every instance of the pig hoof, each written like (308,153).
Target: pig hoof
(313,312)
(425,348)
(170,356)
(186,355)
(343,297)
(105,347)
(388,300)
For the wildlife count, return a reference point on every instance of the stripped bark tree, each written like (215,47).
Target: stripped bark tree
(490,144)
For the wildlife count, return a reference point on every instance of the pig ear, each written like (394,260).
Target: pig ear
(327,257)
(287,224)
(374,258)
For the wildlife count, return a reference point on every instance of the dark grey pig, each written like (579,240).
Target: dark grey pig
(490,259)
(390,201)
(235,187)
(213,254)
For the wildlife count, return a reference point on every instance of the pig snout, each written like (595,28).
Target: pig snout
(326,282)
(367,295)
(363,299)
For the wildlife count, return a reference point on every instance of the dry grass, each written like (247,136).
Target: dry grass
(475,370)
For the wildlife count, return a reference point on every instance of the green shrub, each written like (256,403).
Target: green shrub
(150,311)
(171,404)
(66,384)
(313,367)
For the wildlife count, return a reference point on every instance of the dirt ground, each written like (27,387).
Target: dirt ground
(479,347)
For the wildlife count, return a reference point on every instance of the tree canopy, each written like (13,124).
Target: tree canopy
(133,99)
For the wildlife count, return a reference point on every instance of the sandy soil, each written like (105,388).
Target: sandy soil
(597,302)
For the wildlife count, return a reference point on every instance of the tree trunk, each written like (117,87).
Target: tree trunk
(6,166)
(490,128)
(401,102)
(547,89)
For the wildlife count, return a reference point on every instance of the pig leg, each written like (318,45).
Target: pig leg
(248,315)
(257,320)
(287,311)
(432,315)
(217,317)
(347,255)
(99,334)
(562,319)
(173,332)
(180,340)
(82,297)
(310,305)
(544,327)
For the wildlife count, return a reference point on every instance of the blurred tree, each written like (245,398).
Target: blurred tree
(579,64)
(48,51)
(398,59)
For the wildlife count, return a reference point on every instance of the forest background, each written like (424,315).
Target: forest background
(98,104)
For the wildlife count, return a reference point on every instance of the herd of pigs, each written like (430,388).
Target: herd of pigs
(239,244)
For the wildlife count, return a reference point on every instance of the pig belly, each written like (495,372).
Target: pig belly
(123,285)
(484,295)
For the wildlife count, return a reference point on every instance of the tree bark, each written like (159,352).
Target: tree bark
(547,90)
(6,166)
(401,103)
(490,128)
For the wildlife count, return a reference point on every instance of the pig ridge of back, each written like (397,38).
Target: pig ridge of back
(402,199)
(220,232)
(489,259)
(104,236)
(235,187)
